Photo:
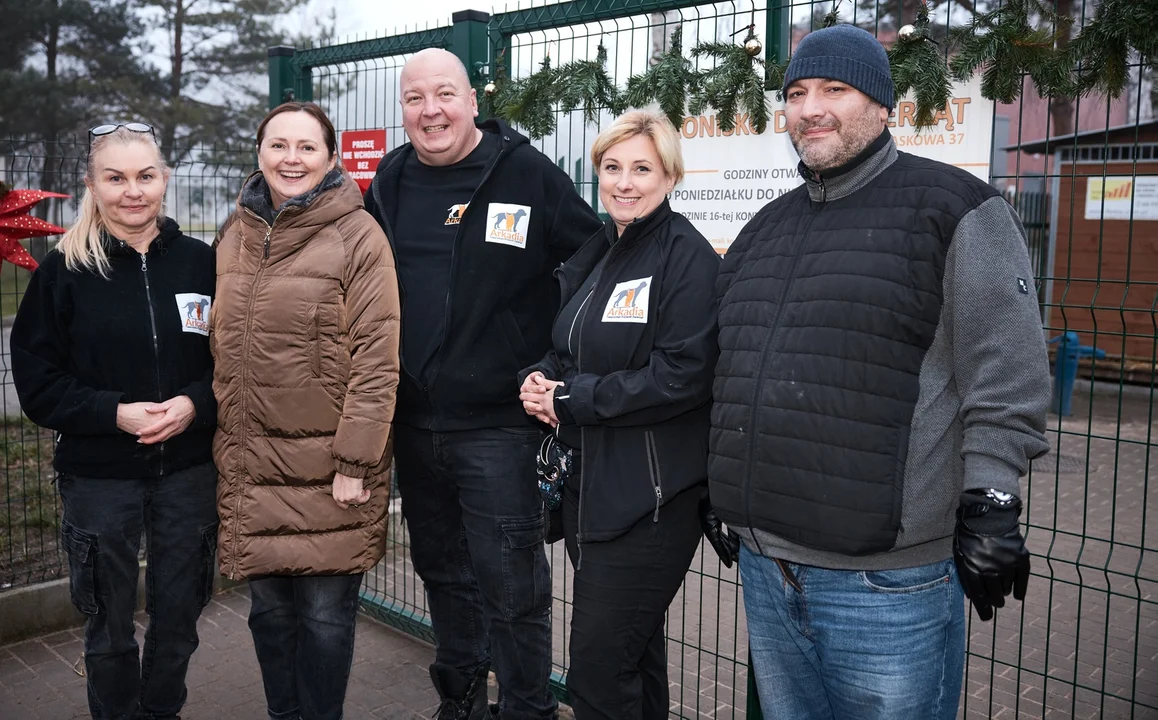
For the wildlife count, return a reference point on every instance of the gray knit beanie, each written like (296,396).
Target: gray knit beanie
(848,54)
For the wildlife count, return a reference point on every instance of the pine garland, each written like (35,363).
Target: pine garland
(916,63)
(1017,39)
(734,82)
(530,101)
(496,92)
(589,87)
(1008,46)
(1101,53)
(833,16)
(669,82)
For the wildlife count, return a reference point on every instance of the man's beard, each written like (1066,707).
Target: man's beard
(852,139)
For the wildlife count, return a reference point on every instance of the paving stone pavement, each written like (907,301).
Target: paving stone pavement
(389,680)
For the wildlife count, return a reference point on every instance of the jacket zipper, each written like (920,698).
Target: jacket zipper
(316,331)
(394,254)
(574,320)
(653,470)
(578,369)
(582,430)
(156,349)
(436,360)
(772,328)
(245,376)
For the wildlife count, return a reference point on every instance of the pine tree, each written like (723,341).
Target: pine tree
(212,89)
(61,61)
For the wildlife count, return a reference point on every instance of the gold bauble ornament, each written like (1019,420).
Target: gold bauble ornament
(489,89)
(907,31)
(752,46)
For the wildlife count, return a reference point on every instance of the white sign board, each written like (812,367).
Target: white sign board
(730,176)
(1122,198)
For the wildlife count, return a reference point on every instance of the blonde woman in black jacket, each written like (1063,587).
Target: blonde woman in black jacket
(110,349)
(627,389)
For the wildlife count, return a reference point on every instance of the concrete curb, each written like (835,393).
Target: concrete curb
(43,608)
(47,607)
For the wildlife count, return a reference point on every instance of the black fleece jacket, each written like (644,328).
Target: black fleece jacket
(524,219)
(82,344)
(644,352)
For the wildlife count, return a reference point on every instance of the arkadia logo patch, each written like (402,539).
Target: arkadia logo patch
(454,214)
(194,311)
(628,301)
(508,224)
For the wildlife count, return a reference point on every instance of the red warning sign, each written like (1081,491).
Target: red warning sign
(361,150)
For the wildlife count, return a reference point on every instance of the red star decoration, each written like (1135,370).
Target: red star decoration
(16,224)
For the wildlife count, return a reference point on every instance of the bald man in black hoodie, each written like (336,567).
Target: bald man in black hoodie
(478,220)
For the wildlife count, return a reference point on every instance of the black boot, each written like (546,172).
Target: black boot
(463,697)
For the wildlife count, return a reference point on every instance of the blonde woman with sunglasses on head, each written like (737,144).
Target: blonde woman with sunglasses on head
(110,349)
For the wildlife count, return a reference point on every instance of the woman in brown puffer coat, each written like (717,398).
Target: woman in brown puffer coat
(304,334)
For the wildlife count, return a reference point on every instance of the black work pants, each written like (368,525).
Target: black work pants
(617,668)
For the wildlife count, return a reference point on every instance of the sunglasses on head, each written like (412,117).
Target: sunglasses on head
(136,127)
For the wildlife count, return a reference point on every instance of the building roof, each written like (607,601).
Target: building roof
(1085,137)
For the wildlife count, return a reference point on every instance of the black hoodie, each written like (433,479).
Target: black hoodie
(524,219)
(82,344)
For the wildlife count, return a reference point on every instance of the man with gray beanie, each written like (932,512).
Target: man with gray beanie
(882,385)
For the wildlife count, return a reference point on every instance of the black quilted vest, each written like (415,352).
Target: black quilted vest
(827,310)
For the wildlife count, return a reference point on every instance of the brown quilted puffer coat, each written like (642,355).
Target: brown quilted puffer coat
(304,333)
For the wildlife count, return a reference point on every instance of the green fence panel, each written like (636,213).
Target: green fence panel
(1085,641)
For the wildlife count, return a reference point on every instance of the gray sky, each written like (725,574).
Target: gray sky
(360,18)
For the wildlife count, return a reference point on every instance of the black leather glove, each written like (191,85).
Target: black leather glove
(990,551)
(725,542)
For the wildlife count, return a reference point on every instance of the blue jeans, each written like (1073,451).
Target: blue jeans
(303,632)
(476,524)
(871,645)
(101,533)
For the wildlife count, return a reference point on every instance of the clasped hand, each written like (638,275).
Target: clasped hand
(538,397)
(156,422)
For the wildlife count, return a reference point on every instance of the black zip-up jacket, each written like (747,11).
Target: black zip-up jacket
(501,297)
(645,352)
(82,344)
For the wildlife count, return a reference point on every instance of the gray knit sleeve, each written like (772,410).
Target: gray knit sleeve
(999,354)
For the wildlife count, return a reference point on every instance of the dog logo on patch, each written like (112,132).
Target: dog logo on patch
(194,311)
(628,301)
(508,224)
(454,214)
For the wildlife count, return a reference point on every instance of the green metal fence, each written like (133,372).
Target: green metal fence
(1085,642)
(202,190)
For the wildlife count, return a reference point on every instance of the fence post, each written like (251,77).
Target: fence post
(778,43)
(288,81)
(469,39)
(281,74)
(778,32)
